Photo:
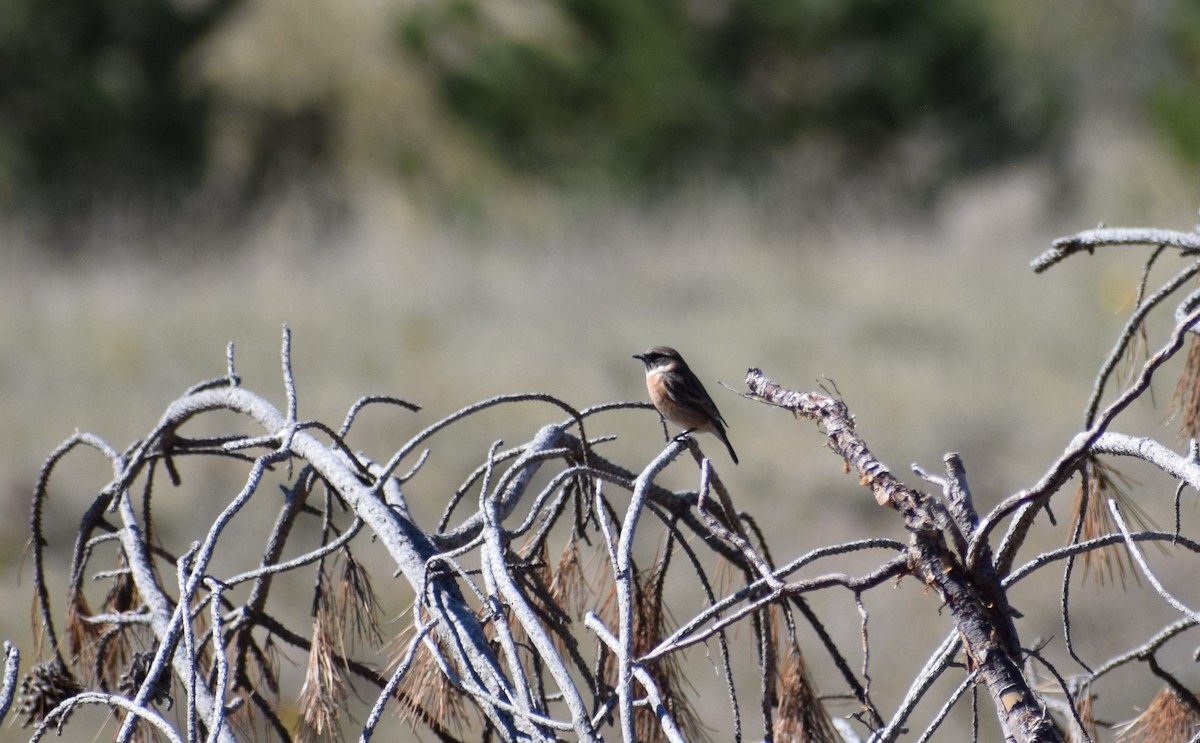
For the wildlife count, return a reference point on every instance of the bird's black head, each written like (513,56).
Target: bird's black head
(659,356)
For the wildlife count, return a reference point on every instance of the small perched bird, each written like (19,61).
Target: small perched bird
(679,395)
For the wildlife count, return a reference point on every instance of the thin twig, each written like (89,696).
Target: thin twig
(1175,603)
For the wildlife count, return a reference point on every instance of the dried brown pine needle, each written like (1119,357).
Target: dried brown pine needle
(82,634)
(266,666)
(425,694)
(358,607)
(649,627)
(1099,484)
(1136,354)
(568,588)
(323,696)
(1082,699)
(1186,399)
(536,582)
(122,597)
(532,575)
(1168,718)
(244,715)
(802,717)
(122,593)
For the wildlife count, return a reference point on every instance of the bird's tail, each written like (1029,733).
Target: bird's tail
(725,440)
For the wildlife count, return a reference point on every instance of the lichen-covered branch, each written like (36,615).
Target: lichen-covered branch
(984,627)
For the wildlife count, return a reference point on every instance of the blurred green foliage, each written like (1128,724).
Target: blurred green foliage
(96,92)
(1175,103)
(650,91)
(104,94)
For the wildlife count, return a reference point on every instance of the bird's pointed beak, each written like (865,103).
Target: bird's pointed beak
(640,356)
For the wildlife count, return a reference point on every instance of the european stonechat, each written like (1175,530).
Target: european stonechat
(679,395)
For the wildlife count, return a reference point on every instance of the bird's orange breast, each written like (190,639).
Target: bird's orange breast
(679,414)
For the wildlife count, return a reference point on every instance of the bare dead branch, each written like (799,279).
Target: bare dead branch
(1089,240)
(8,689)
(1141,562)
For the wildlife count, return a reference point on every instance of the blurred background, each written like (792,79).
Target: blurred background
(451,200)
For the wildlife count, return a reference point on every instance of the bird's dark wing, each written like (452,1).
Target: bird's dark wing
(687,390)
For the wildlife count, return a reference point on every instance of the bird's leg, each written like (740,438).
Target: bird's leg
(666,431)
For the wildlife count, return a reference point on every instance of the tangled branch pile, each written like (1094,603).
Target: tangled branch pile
(537,610)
